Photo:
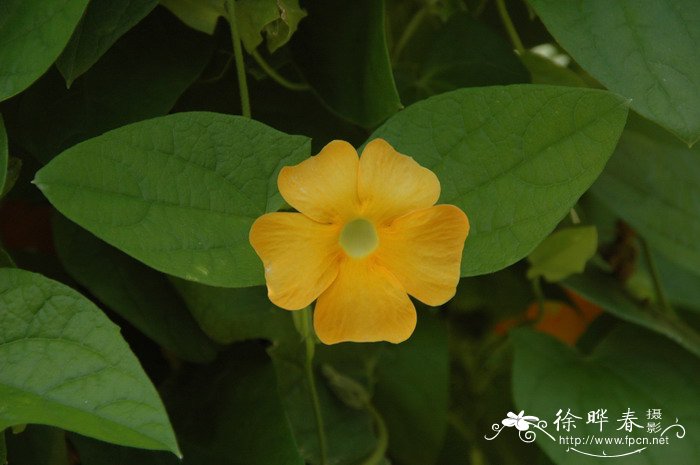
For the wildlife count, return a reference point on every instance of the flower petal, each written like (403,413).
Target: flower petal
(323,187)
(365,303)
(391,184)
(423,249)
(509,422)
(301,257)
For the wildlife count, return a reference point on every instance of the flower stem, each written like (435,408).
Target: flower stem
(656,278)
(510,28)
(308,334)
(238,55)
(281,80)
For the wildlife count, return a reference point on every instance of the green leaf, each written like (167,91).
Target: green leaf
(155,62)
(605,291)
(647,50)
(227,413)
(201,15)
(412,393)
(209,174)
(6,261)
(102,24)
(653,183)
(32,35)
(63,363)
(341,50)
(140,294)
(631,369)
(545,71)
(14,167)
(278,19)
(514,158)
(230,315)
(563,253)
(461,53)
(349,432)
(40,445)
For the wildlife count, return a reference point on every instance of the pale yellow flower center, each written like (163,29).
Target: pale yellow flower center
(359,238)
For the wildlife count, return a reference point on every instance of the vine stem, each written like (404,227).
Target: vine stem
(308,335)
(238,55)
(510,28)
(656,278)
(277,77)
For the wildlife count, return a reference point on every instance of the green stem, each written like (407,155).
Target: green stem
(238,55)
(510,28)
(656,278)
(311,379)
(281,80)
(382,438)
(411,29)
(575,219)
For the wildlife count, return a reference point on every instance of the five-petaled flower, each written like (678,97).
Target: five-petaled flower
(368,233)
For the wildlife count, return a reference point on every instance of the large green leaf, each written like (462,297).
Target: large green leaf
(514,158)
(653,183)
(32,35)
(647,50)
(605,291)
(632,369)
(140,294)
(63,363)
(412,393)
(179,193)
(103,23)
(341,50)
(154,62)
(460,53)
(231,315)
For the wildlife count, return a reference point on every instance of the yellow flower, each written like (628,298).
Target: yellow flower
(367,235)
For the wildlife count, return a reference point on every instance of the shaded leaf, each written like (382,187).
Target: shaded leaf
(514,158)
(230,315)
(603,290)
(4,156)
(416,416)
(460,53)
(631,369)
(647,50)
(563,253)
(227,413)
(32,35)
(65,364)
(140,294)
(102,24)
(37,444)
(277,19)
(155,62)
(653,183)
(201,15)
(341,51)
(349,432)
(211,175)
